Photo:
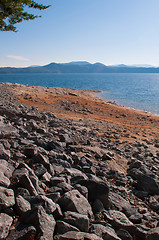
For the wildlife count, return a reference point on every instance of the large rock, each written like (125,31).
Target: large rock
(6,198)
(28,179)
(153,234)
(78,220)
(82,189)
(65,138)
(118,219)
(63,227)
(124,235)
(22,205)
(4,154)
(4,181)
(97,206)
(105,232)
(65,187)
(74,201)
(77,236)
(26,182)
(39,169)
(7,131)
(44,223)
(6,168)
(5,224)
(22,231)
(76,175)
(45,202)
(145,182)
(97,189)
(140,231)
(119,203)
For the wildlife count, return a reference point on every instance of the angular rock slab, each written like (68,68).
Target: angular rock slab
(7,131)
(63,227)
(77,236)
(97,190)
(74,201)
(78,220)
(124,235)
(5,224)
(153,234)
(117,219)
(4,154)
(22,205)
(22,231)
(105,232)
(4,181)
(43,222)
(119,203)
(76,175)
(145,182)
(6,197)
(48,205)
(6,168)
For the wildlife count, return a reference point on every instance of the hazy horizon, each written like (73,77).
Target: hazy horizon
(119,64)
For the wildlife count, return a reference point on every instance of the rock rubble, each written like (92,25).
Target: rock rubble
(55,183)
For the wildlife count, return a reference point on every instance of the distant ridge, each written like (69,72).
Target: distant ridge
(80,67)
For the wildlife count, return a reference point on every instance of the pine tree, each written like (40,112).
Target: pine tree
(14,11)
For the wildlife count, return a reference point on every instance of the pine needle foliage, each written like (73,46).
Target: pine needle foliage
(15,11)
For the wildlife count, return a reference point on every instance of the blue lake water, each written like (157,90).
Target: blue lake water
(136,90)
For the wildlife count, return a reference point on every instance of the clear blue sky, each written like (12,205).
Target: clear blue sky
(107,31)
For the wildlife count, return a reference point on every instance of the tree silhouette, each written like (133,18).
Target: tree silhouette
(15,11)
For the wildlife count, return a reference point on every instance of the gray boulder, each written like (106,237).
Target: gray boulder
(153,234)
(77,236)
(5,224)
(22,231)
(6,198)
(76,175)
(6,168)
(124,235)
(39,169)
(4,181)
(43,222)
(97,189)
(82,189)
(119,203)
(97,206)
(4,154)
(145,182)
(105,232)
(63,227)
(22,205)
(74,201)
(118,219)
(7,131)
(45,202)
(78,220)
(26,182)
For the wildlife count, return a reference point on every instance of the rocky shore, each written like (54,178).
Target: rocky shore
(73,166)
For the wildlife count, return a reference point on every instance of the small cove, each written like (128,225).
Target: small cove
(135,90)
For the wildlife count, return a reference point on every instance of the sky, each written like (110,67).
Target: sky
(107,31)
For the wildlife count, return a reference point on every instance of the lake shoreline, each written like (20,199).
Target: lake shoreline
(139,91)
(67,152)
(84,104)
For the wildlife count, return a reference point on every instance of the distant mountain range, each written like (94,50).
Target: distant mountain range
(81,67)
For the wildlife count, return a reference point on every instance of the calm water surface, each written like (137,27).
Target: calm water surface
(140,91)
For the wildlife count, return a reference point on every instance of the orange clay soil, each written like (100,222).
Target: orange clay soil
(85,109)
(83,104)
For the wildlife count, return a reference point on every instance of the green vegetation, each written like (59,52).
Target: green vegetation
(15,11)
